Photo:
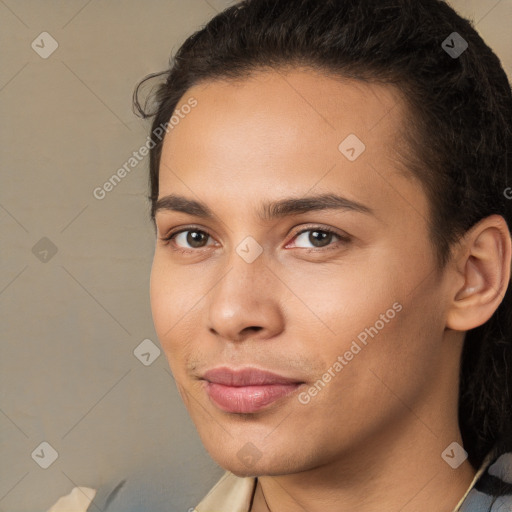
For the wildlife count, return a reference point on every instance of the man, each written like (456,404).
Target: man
(330,186)
(332,220)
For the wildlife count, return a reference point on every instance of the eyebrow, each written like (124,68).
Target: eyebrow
(268,210)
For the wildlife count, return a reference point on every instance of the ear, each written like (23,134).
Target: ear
(483,265)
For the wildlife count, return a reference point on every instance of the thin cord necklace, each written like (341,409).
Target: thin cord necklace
(265,499)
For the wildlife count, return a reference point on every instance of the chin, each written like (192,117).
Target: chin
(244,472)
(258,470)
(240,463)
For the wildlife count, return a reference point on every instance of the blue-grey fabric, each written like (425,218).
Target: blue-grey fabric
(492,492)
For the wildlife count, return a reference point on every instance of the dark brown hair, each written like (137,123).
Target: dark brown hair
(458,132)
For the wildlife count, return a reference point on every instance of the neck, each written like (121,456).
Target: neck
(403,471)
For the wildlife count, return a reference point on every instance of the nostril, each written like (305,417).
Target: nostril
(253,327)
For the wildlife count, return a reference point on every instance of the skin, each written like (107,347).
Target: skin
(372,438)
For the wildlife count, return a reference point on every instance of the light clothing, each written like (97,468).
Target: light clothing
(78,500)
(230,491)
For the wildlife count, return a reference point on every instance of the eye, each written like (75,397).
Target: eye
(318,237)
(188,239)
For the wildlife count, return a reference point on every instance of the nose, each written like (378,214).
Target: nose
(245,302)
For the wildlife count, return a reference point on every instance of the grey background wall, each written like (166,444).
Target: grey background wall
(74,275)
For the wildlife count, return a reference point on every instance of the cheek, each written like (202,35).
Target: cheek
(174,289)
(366,390)
(178,296)
(346,296)
(382,315)
(172,299)
(158,293)
(391,354)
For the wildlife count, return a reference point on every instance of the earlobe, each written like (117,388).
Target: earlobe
(484,259)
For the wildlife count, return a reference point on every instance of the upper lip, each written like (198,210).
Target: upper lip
(246,377)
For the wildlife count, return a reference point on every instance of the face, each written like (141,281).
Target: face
(339,296)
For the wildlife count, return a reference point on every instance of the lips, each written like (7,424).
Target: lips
(247,390)
(245,377)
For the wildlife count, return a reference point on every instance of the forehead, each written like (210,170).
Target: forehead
(283,133)
(308,96)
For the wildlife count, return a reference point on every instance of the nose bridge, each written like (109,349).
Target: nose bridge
(242,281)
(245,261)
(245,296)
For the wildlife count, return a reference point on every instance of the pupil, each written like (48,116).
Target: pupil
(318,237)
(195,239)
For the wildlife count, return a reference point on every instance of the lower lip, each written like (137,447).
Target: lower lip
(247,399)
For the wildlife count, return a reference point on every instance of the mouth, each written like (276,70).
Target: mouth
(247,390)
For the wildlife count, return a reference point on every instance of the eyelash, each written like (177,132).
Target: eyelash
(334,245)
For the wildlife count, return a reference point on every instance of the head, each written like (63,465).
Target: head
(408,273)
